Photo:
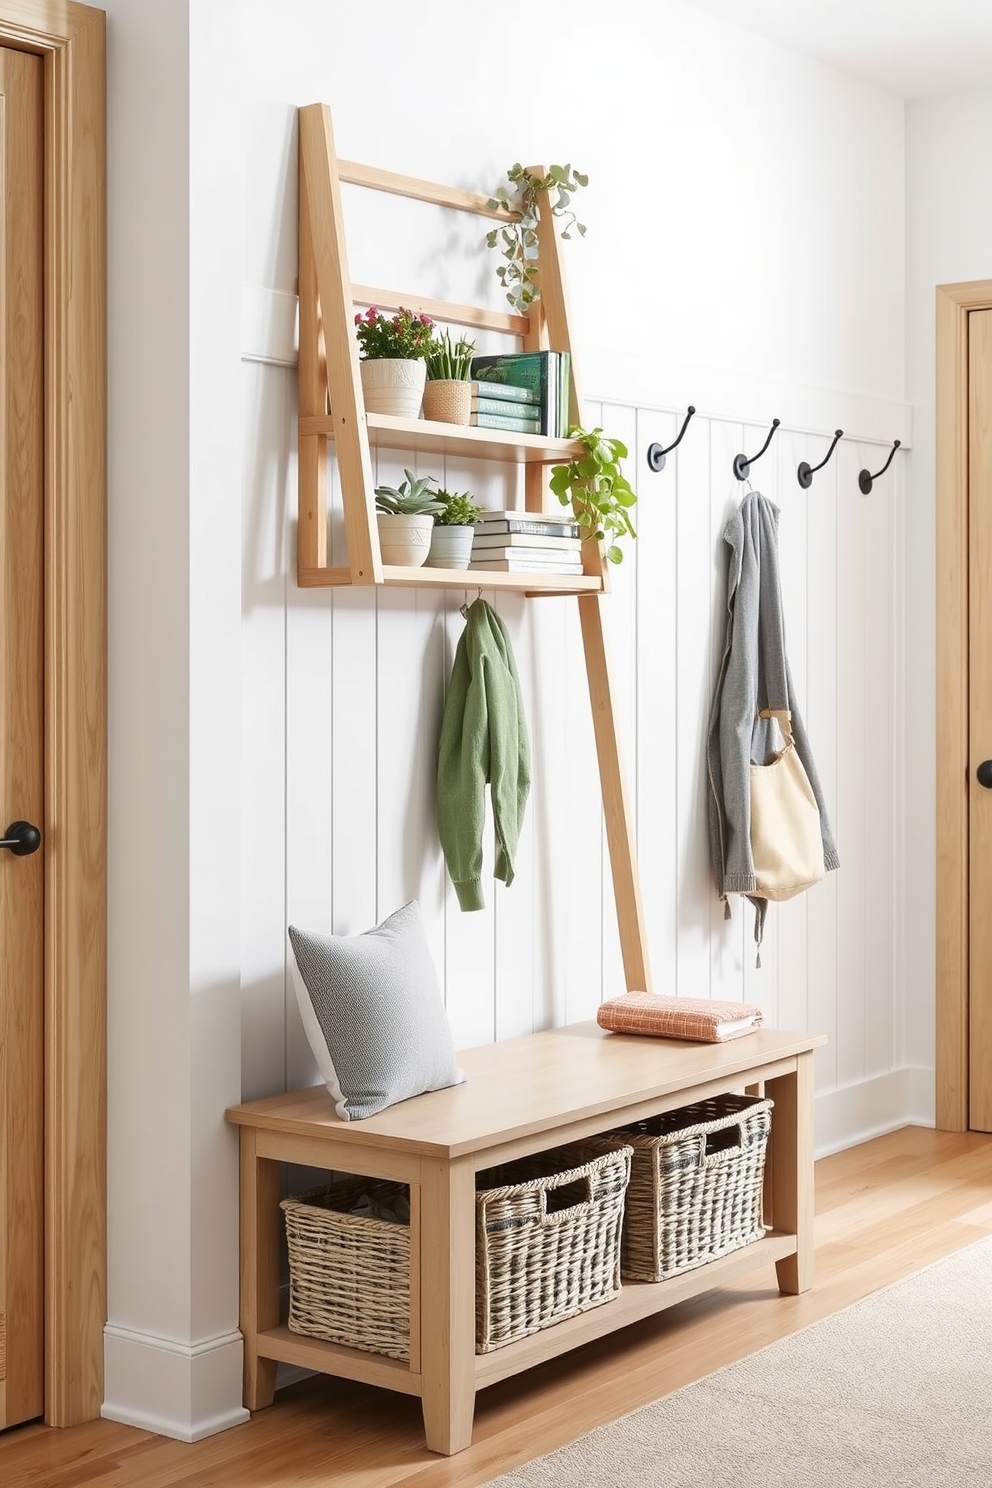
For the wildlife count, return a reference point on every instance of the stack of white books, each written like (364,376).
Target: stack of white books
(526,542)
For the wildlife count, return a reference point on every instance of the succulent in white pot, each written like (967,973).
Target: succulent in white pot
(454,530)
(405,517)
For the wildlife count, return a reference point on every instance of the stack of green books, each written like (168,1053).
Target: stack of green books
(525,392)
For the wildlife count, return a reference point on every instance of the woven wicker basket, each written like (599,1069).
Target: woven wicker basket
(696,1185)
(349,1275)
(547,1240)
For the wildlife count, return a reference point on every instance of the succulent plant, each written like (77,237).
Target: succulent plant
(413,497)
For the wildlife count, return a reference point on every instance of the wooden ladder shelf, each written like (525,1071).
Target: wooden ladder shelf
(331,408)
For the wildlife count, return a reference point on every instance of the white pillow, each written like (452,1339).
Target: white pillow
(372,1011)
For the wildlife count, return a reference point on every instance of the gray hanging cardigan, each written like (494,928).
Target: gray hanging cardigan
(754,674)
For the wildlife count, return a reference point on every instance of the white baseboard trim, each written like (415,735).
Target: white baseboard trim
(183,1390)
(856,1113)
(269,334)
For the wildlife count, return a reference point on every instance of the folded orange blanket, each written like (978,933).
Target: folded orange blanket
(698,1018)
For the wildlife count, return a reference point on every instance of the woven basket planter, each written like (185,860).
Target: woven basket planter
(547,1240)
(696,1185)
(349,1276)
(447,401)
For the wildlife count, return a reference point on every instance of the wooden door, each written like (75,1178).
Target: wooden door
(22,1319)
(980,719)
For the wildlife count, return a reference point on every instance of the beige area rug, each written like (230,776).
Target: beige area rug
(893,1392)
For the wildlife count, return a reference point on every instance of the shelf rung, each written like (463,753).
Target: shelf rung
(464,315)
(418,190)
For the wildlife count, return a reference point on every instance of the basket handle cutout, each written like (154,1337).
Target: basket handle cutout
(728,1139)
(558,1200)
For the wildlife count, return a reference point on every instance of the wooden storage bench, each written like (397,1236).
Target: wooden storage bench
(522,1096)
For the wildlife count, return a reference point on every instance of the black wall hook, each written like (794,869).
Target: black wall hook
(865,478)
(656,455)
(743,463)
(805,473)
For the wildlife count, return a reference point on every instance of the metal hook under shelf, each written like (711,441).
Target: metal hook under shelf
(743,463)
(865,478)
(806,472)
(656,455)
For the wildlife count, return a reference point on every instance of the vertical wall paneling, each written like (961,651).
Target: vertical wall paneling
(821,717)
(343,695)
(789,1009)
(516,919)
(621,635)
(731,941)
(882,518)
(266,618)
(692,652)
(655,763)
(853,616)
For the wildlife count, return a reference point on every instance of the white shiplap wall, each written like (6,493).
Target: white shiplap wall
(343,694)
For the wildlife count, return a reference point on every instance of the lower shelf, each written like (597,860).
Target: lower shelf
(638,1299)
(456,578)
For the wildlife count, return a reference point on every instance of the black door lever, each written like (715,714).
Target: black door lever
(22,838)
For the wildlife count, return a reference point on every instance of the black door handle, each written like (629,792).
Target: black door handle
(984,774)
(22,838)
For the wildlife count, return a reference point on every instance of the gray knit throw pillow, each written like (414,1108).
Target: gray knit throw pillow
(372,1010)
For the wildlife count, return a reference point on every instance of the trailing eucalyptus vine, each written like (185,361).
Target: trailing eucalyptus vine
(517,240)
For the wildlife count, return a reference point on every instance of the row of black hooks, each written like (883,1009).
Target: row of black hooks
(743,463)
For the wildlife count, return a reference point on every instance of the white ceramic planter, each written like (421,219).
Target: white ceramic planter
(394,385)
(451,547)
(404,540)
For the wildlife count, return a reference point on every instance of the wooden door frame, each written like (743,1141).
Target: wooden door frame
(955,302)
(71,39)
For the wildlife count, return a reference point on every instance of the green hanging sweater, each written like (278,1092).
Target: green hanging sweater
(483,741)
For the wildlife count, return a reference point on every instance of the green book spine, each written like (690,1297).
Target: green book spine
(508,409)
(504,390)
(512,425)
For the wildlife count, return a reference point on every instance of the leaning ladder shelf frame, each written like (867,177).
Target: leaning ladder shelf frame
(329,377)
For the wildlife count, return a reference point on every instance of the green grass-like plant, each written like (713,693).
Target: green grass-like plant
(449,360)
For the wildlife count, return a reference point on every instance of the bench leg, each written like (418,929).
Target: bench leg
(259,1267)
(447,1304)
(790,1171)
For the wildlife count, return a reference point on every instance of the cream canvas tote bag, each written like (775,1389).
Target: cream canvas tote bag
(786,840)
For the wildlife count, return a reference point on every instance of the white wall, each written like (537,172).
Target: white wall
(745,253)
(948,240)
(173,1353)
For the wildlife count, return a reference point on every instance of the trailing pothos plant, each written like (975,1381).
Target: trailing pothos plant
(517,240)
(598,490)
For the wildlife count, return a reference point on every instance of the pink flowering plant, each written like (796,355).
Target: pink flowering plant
(401,335)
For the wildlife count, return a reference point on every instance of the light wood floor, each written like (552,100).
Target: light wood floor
(884,1210)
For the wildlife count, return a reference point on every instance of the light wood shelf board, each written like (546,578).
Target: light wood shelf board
(333,1358)
(637,1300)
(452,578)
(460,441)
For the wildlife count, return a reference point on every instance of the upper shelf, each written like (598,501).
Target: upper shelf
(458,441)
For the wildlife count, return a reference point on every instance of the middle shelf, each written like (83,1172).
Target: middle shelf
(459,441)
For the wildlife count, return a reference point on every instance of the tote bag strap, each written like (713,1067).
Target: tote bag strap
(784,718)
